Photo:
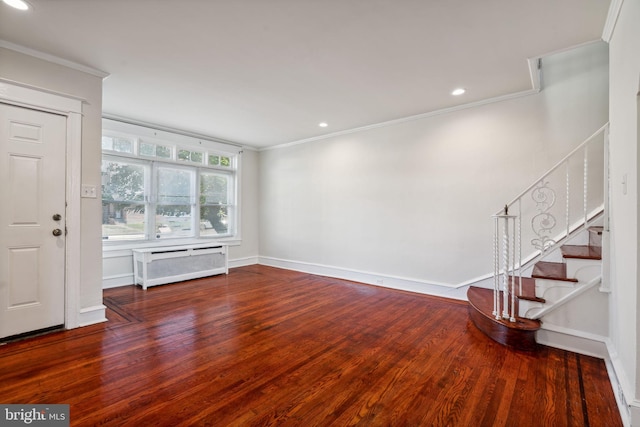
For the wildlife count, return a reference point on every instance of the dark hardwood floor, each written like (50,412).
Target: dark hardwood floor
(264,346)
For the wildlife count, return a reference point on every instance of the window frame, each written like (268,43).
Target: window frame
(175,142)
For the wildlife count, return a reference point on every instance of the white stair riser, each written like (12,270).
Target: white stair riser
(553,294)
(527,308)
(554,256)
(542,285)
(583,269)
(595,239)
(580,239)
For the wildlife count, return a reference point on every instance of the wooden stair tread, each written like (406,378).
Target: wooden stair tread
(482,300)
(520,334)
(581,252)
(528,289)
(551,270)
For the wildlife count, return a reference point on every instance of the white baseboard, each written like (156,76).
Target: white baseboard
(623,391)
(243,262)
(117,280)
(92,315)
(572,340)
(634,413)
(393,282)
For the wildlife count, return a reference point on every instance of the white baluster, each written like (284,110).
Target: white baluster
(585,182)
(567,218)
(496,270)
(505,266)
(512,318)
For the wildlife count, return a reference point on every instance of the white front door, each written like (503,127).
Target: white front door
(32,219)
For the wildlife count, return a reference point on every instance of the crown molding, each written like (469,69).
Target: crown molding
(407,119)
(54,59)
(536,87)
(612,20)
(171,130)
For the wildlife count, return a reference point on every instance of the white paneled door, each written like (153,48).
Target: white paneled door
(32,219)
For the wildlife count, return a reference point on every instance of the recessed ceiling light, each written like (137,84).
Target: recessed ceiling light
(323,124)
(458,91)
(18,4)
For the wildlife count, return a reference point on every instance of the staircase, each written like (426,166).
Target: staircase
(578,270)
(561,263)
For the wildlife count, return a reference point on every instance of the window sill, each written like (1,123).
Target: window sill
(127,246)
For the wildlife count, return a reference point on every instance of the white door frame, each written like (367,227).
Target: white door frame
(69,106)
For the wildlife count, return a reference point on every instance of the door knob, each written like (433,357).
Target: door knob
(57,217)
(57,232)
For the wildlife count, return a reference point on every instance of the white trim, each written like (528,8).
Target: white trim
(117,280)
(143,129)
(623,409)
(612,19)
(572,340)
(243,262)
(534,73)
(23,95)
(475,280)
(54,59)
(93,315)
(622,389)
(634,412)
(371,278)
(114,249)
(127,279)
(116,252)
(29,96)
(406,119)
(74,218)
(536,86)
(237,193)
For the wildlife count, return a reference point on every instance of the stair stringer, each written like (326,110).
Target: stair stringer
(586,311)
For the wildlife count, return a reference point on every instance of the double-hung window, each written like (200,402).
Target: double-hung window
(158,185)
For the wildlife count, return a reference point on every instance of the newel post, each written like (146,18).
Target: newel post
(504,265)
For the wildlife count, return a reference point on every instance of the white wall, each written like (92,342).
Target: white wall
(32,71)
(413,200)
(624,87)
(247,251)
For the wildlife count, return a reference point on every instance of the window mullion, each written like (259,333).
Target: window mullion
(152,201)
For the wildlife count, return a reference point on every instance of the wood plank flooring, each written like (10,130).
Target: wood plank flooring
(264,346)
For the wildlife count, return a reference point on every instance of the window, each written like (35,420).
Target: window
(155,189)
(123,199)
(215,205)
(175,202)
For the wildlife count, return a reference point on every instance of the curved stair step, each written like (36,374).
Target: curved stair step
(520,334)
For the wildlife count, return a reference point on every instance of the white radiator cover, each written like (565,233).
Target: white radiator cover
(161,265)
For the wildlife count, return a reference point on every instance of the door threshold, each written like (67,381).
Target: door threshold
(30,334)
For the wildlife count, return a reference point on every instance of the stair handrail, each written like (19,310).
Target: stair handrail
(508,267)
(557,165)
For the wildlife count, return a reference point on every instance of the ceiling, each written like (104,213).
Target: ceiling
(267,72)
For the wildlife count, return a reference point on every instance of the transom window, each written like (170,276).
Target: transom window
(156,189)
